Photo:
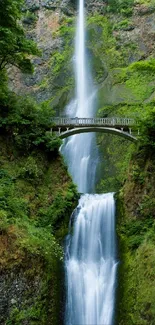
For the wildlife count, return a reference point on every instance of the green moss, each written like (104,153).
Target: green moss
(116,154)
(125,7)
(125,24)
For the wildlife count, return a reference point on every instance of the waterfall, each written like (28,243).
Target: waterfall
(77,150)
(90,262)
(90,252)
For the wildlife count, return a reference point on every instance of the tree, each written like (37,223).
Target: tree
(15,48)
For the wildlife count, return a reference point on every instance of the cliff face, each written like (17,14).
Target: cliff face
(43,22)
(51,25)
(37,198)
(136,222)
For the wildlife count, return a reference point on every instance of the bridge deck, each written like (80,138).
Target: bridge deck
(66,126)
(95,121)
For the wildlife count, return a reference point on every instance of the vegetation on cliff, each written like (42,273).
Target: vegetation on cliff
(37,195)
(136,224)
(14,46)
(36,199)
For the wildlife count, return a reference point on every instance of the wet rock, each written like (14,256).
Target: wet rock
(18,290)
(13,301)
(32,5)
(144,10)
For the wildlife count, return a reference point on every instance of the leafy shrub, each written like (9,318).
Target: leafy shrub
(122,25)
(3,221)
(147,129)
(30,170)
(29,18)
(14,46)
(124,7)
(28,123)
(136,231)
(148,65)
(137,174)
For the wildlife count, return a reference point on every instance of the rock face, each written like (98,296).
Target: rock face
(48,17)
(133,38)
(42,32)
(67,6)
(19,290)
(31,295)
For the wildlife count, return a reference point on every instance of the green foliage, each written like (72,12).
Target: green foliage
(27,123)
(30,170)
(103,55)
(12,206)
(109,52)
(123,25)
(137,80)
(61,78)
(127,90)
(38,241)
(3,221)
(30,18)
(115,155)
(137,174)
(37,197)
(61,206)
(136,230)
(35,314)
(124,7)
(147,129)
(148,65)
(14,47)
(61,61)
(137,83)
(137,254)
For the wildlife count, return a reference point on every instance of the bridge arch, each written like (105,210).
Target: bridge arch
(114,131)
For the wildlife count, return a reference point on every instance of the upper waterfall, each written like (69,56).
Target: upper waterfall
(77,150)
(80,63)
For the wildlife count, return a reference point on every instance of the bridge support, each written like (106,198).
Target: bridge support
(114,131)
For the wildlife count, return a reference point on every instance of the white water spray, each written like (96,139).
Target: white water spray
(90,252)
(90,262)
(77,150)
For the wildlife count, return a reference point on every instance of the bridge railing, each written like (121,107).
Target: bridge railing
(110,121)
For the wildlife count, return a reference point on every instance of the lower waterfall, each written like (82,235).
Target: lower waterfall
(91,262)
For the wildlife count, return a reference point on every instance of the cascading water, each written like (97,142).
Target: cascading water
(90,262)
(90,253)
(77,150)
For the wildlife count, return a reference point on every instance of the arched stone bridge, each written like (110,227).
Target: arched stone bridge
(124,127)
